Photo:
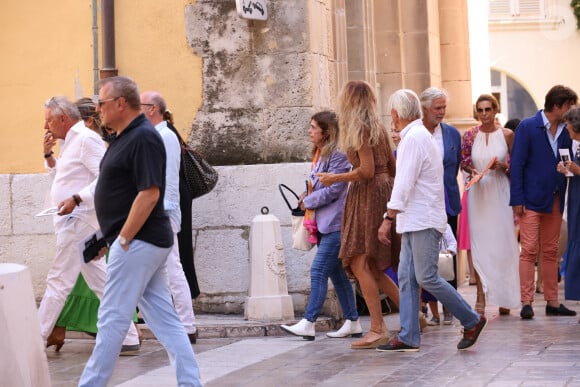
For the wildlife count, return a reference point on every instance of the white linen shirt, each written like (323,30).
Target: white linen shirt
(438,136)
(76,172)
(418,190)
(448,241)
(173,152)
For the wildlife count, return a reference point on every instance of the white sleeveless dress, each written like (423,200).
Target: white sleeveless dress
(494,246)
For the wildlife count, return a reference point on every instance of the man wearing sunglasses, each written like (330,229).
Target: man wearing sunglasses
(537,196)
(129,205)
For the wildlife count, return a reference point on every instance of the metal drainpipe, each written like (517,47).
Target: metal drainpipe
(108,25)
(95,49)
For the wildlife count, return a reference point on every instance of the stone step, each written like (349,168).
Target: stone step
(211,326)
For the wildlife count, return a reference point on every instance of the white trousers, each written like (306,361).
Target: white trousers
(63,274)
(180,289)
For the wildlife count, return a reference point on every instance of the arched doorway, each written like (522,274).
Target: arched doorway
(514,100)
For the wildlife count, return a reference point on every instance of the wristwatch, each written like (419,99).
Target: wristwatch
(387,217)
(122,240)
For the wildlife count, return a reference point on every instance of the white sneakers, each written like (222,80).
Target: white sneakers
(349,328)
(303,328)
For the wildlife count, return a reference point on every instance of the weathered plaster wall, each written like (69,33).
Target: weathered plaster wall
(257,80)
(221,228)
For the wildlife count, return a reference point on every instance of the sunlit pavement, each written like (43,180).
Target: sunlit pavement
(544,351)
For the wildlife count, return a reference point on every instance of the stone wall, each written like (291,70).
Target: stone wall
(261,79)
(221,229)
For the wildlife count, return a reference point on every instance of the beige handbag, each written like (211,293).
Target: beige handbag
(299,233)
(445,263)
(445,266)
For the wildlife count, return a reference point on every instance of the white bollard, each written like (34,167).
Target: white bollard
(268,297)
(22,357)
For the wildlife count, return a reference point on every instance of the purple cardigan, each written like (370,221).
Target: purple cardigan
(328,201)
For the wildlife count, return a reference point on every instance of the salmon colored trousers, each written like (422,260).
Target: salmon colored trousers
(545,228)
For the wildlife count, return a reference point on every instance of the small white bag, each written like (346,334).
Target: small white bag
(299,232)
(445,266)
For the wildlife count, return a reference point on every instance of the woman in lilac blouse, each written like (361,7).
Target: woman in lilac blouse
(328,204)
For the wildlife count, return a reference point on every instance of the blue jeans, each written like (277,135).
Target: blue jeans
(418,268)
(138,276)
(326,264)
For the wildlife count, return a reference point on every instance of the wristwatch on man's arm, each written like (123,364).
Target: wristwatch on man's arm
(387,217)
(122,241)
(390,215)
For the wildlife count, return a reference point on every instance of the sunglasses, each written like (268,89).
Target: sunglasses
(101,102)
(480,110)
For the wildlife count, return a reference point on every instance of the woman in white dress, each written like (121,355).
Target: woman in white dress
(493,243)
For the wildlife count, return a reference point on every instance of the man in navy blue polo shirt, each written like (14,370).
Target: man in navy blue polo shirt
(129,205)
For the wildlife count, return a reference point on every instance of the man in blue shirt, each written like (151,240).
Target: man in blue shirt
(448,139)
(153,106)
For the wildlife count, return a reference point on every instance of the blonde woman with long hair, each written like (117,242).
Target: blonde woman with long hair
(365,141)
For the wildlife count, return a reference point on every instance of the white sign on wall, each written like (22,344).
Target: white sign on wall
(252,9)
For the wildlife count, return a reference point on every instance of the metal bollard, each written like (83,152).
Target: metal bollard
(268,298)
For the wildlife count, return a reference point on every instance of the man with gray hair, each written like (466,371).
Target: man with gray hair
(418,203)
(129,205)
(448,139)
(74,173)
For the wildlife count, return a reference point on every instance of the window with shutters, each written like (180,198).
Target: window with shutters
(517,9)
(523,12)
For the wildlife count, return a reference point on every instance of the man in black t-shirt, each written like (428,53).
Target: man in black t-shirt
(129,205)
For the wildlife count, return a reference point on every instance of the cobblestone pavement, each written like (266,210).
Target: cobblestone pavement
(542,352)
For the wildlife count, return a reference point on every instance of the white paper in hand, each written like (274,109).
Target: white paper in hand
(48,212)
(565,156)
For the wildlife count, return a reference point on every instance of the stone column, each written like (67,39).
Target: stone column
(388,51)
(340,45)
(360,41)
(455,62)
(407,47)
(419,41)
(321,24)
